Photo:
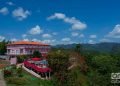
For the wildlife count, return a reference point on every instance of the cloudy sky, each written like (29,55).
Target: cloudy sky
(60,21)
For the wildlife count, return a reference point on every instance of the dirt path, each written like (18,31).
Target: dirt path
(2,81)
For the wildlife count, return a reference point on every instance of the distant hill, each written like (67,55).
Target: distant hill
(102,47)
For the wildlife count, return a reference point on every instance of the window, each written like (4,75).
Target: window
(8,51)
(21,50)
(30,51)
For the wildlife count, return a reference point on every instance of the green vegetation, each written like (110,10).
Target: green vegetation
(78,48)
(3,47)
(27,80)
(58,61)
(73,67)
(21,58)
(91,68)
(37,54)
(19,77)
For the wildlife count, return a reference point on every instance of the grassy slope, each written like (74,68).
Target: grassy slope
(32,81)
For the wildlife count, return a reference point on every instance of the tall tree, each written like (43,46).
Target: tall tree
(3,47)
(59,61)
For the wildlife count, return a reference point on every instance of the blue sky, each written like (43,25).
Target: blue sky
(60,21)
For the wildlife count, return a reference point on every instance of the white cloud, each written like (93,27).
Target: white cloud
(13,39)
(115,33)
(35,30)
(104,40)
(54,33)
(4,11)
(93,36)
(2,38)
(24,35)
(74,34)
(26,39)
(54,40)
(46,36)
(57,15)
(66,39)
(91,42)
(76,24)
(48,41)
(20,13)
(10,3)
(81,35)
(35,40)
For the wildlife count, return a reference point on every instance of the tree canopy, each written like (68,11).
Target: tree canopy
(37,54)
(3,47)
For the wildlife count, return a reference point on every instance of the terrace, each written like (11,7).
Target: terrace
(37,67)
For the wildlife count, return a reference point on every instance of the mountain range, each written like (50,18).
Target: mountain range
(101,47)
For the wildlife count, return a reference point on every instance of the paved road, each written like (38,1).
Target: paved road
(2,82)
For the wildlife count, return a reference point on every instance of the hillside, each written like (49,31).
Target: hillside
(102,47)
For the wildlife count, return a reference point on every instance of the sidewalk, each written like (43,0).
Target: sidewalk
(2,82)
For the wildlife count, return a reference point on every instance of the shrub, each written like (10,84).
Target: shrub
(20,59)
(13,67)
(7,73)
(19,72)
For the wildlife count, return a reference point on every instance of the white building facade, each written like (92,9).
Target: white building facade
(27,48)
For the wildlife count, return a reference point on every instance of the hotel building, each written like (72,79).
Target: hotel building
(27,48)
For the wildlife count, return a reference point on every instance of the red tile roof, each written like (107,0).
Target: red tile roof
(27,42)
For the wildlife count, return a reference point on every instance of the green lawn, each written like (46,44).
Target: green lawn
(28,80)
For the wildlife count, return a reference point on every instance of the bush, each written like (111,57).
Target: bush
(13,67)
(7,73)
(19,72)
(20,59)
